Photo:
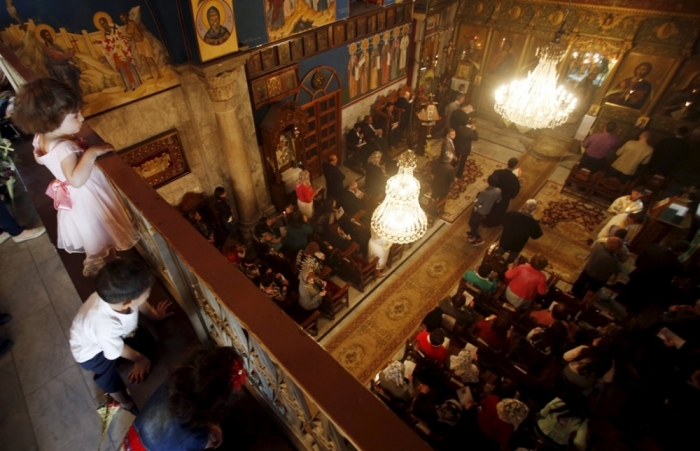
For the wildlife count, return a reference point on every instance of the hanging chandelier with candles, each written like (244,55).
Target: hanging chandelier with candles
(399,218)
(537,101)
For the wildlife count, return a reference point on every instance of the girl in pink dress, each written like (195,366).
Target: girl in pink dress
(91,217)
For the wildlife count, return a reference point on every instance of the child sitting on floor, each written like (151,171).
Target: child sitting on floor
(105,327)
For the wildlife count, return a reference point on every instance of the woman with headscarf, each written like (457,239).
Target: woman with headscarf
(305,194)
(564,423)
(375,178)
(310,258)
(499,418)
(464,367)
(392,381)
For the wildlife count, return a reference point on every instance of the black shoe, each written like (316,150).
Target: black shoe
(5,318)
(5,345)
(134,410)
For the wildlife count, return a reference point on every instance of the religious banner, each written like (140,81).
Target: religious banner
(286,17)
(377,61)
(215,26)
(111,57)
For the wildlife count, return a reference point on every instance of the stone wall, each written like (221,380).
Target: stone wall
(186,108)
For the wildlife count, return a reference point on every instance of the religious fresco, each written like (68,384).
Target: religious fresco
(112,60)
(376,61)
(215,28)
(637,80)
(682,99)
(288,17)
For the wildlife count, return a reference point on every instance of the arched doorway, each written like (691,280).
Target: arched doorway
(319,97)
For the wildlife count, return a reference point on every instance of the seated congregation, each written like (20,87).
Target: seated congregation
(517,357)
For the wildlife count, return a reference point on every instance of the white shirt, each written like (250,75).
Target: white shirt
(626,205)
(615,223)
(99,328)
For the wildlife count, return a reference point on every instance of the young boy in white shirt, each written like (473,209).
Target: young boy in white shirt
(106,327)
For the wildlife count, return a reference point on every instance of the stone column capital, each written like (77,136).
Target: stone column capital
(220,87)
(219,78)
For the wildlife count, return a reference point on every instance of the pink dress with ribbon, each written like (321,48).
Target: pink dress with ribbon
(91,219)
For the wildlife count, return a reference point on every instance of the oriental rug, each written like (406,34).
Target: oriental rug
(567,223)
(369,339)
(464,189)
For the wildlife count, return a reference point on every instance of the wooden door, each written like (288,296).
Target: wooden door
(319,97)
(323,137)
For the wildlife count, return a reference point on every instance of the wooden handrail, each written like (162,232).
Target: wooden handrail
(362,419)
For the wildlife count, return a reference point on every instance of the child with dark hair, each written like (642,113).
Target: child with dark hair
(186,412)
(91,217)
(431,344)
(105,327)
(485,201)
(483,278)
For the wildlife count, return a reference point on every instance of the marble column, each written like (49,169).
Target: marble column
(220,87)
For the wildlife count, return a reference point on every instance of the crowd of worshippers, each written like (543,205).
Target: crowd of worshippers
(292,255)
(514,360)
(603,152)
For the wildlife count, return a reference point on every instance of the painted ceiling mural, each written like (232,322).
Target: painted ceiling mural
(111,57)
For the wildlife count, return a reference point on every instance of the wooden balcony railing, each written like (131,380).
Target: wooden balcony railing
(319,404)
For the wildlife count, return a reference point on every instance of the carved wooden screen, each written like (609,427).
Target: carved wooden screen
(319,97)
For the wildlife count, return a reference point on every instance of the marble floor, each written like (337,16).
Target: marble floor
(48,402)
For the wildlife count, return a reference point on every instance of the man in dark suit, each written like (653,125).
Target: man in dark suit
(334,177)
(394,137)
(356,144)
(461,91)
(461,116)
(510,187)
(518,228)
(443,176)
(465,134)
(448,144)
(451,107)
(405,103)
(373,136)
(669,153)
(351,199)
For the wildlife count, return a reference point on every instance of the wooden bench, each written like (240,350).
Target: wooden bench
(579,183)
(307,319)
(357,270)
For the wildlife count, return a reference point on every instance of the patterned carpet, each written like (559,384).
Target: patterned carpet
(370,338)
(567,223)
(465,189)
(566,214)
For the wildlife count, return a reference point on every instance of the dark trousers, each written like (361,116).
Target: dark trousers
(511,256)
(592,164)
(586,283)
(106,374)
(612,172)
(7,222)
(474,221)
(461,162)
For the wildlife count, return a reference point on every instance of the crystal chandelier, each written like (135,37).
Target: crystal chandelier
(399,218)
(537,101)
